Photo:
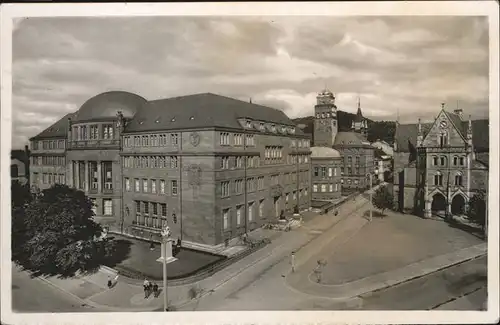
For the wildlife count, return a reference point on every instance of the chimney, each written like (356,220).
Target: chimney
(459,112)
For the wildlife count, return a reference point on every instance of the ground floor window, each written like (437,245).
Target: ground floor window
(250,211)
(315,188)
(108,207)
(261,208)
(225,217)
(238,215)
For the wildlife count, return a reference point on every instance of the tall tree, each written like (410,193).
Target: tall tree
(477,209)
(59,233)
(383,199)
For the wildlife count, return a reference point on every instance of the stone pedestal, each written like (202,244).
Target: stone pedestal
(166,252)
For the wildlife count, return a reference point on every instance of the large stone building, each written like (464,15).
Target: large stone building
(439,166)
(355,152)
(211,166)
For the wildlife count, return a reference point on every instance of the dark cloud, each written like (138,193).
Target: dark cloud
(406,64)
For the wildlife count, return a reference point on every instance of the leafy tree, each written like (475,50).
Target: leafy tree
(383,199)
(20,194)
(477,209)
(56,234)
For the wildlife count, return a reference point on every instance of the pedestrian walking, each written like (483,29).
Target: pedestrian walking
(155,290)
(292,261)
(110,283)
(146,288)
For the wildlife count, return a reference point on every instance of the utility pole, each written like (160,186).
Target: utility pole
(371,196)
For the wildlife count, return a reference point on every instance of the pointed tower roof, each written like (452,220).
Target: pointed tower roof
(359,115)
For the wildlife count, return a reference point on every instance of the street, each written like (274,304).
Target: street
(435,290)
(36,296)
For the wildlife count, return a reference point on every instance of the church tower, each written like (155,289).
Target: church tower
(359,124)
(325,119)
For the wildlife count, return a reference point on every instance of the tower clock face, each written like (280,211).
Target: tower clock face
(443,124)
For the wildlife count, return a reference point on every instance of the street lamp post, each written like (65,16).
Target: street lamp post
(166,257)
(371,196)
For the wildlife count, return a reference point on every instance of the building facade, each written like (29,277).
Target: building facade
(326,169)
(356,153)
(210,176)
(440,165)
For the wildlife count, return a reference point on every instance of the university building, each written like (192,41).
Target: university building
(212,167)
(439,166)
(341,161)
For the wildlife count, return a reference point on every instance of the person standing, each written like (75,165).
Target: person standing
(292,261)
(146,288)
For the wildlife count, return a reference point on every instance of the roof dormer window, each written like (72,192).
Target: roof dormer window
(273,128)
(261,126)
(249,124)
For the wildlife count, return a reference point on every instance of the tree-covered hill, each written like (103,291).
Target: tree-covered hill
(377,130)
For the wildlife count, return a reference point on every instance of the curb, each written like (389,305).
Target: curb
(370,289)
(468,259)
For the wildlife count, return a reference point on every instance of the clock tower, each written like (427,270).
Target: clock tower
(325,119)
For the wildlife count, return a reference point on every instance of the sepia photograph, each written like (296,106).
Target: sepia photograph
(169,160)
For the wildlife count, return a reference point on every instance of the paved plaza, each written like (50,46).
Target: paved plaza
(392,242)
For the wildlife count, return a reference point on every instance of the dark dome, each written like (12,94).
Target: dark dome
(107,105)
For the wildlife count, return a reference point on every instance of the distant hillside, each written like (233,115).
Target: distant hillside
(383,130)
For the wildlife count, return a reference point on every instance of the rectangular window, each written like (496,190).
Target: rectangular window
(331,187)
(108,176)
(330,172)
(261,208)
(323,187)
(316,171)
(174,187)
(107,131)
(315,188)
(225,218)
(146,208)
(108,207)
(127,184)
(462,161)
(162,186)
(224,138)
(250,211)
(145,185)
(260,181)
(153,186)
(137,185)
(323,172)
(238,215)
(225,189)
(174,139)
(224,163)
(173,162)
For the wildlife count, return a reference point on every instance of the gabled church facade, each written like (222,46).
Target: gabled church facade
(439,166)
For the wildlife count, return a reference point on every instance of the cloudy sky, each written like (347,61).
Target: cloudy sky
(407,63)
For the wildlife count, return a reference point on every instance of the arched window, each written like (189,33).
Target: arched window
(438,179)
(443,139)
(458,179)
(443,160)
(462,161)
(455,160)
(435,160)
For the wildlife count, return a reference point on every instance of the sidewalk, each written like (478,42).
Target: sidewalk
(384,280)
(128,294)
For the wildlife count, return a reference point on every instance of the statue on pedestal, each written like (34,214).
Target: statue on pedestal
(166,233)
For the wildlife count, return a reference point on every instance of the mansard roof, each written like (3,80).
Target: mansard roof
(351,139)
(191,111)
(203,110)
(56,130)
